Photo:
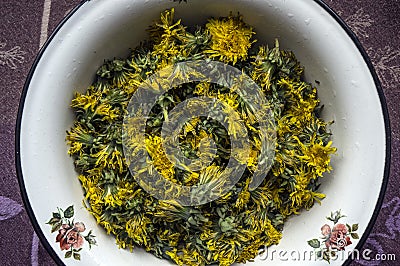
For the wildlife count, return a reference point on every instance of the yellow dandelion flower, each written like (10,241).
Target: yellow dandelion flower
(243,198)
(109,113)
(77,137)
(202,88)
(76,147)
(190,126)
(96,202)
(85,102)
(317,155)
(230,39)
(112,199)
(110,156)
(136,228)
(168,36)
(263,69)
(174,256)
(106,226)
(159,158)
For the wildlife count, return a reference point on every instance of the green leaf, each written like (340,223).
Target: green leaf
(56,215)
(314,243)
(326,256)
(354,236)
(69,212)
(68,254)
(354,227)
(77,256)
(53,221)
(348,227)
(55,227)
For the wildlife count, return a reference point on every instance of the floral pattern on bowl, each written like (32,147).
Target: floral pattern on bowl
(70,233)
(334,237)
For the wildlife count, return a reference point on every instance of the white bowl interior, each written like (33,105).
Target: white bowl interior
(101,30)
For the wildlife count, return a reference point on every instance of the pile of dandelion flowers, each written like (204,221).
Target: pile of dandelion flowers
(233,227)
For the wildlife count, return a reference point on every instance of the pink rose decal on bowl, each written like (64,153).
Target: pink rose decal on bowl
(338,238)
(325,230)
(334,238)
(70,234)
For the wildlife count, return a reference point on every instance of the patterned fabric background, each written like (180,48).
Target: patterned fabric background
(26,24)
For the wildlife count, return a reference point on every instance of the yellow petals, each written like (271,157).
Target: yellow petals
(159,158)
(317,155)
(230,39)
(137,229)
(108,113)
(84,101)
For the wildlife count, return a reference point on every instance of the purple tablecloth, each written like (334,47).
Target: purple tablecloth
(26,24)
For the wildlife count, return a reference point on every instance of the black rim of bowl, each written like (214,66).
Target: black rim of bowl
(349,32)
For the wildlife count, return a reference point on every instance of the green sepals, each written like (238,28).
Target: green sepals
(335,216)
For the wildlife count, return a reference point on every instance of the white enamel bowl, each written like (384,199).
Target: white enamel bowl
(104,29)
